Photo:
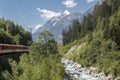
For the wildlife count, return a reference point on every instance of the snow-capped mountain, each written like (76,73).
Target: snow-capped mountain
(57,24)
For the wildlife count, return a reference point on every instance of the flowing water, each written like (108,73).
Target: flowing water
(75,71)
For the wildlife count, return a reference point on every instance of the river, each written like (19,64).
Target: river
(75,71)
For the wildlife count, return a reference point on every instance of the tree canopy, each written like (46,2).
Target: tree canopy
(11,33)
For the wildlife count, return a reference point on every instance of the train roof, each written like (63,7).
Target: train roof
(1,44)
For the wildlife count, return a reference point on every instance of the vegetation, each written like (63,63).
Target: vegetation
(97,39)
(42,63)
(100,32)
(13,34)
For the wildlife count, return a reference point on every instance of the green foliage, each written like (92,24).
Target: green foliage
(42,63)
(45,68)
(72,34)
(6,37)
(89,37)
(46,45)
(45,36)
(13,34)
(100,31)
(115,27)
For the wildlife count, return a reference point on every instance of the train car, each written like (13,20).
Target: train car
(12,47)
(9,48)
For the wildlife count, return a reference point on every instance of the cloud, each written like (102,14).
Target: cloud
(69,3)
(47,14)
(66,12)
(89,1)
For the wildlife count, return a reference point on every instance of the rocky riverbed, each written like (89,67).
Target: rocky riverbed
(76,72)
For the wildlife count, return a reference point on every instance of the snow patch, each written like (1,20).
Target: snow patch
(54,24)
(66,12)
(37,27)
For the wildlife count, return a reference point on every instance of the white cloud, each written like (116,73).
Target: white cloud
(66,12)
(89,1)
(47,14)
(69,3)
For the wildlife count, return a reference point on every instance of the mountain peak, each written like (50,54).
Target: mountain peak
(59,17)
(58,23)
(66,12)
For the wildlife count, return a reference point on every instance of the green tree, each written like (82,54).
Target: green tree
(45,36)
(6,37)
(43,62)
(115,27)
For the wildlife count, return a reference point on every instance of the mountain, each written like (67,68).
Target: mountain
(57,24)
(89,11)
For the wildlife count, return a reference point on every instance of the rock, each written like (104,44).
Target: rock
(74,70)
(118,78)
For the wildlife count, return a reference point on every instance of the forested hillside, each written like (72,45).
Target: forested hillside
(100,33)
(11,33)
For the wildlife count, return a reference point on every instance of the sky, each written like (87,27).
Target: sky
(34,13)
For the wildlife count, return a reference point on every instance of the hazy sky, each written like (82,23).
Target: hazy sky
(34,13)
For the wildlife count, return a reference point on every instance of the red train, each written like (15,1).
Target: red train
(12,47)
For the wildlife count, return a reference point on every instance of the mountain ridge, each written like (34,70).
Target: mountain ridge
(57,24)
